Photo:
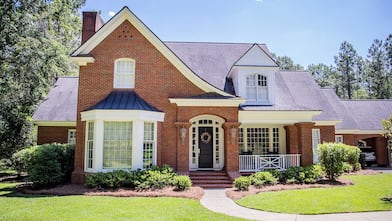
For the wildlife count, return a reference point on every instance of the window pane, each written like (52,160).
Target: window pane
(124,75)
(117,145)
(90,145)
(148,145)
(258,140)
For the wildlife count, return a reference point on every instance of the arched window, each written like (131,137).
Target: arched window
(124,73)
(257,88)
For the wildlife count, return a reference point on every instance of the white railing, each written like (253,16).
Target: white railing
(253,163)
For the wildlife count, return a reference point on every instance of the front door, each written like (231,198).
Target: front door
(206,147)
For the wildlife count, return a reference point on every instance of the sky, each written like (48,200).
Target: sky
(308,31)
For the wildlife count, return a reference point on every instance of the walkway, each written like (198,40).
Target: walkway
(217,201)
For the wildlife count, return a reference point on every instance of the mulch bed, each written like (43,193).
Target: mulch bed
(235,194)
(72,189)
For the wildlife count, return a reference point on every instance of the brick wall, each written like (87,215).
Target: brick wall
(52,134)
(327,133)
(156,80)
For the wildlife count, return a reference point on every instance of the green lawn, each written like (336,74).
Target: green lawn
(24,207)
(365,195)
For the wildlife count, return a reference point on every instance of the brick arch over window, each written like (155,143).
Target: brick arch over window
(124,73)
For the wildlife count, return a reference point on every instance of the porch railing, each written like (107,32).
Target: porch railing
(253,163)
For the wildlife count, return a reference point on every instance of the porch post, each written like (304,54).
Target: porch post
(304,131)
(182,147)
(231,149)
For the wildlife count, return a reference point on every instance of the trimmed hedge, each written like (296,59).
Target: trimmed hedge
(242,183)
(47,164)
(154,178)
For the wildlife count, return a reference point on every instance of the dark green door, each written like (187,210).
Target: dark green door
(206,147)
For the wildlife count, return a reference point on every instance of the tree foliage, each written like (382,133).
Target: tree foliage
(36,38)
(286,63)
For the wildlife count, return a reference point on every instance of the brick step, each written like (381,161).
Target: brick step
(213,185)
(209,177)
(208,173)
(211,181)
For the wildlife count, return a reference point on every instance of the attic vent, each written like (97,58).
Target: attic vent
(125,33)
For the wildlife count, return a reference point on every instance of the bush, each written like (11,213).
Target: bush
(261,179)
(114,179)
(347,168)
(242,183)
(155,179)
(276,173)
(21,159)
(181,183)
(331,157)
(300,175)
(47,164)
(352,154)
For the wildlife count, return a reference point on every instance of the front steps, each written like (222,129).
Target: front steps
(210,179)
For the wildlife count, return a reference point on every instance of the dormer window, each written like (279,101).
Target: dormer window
(257,88)
(124,73)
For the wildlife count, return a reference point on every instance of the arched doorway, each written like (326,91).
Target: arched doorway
(206,143)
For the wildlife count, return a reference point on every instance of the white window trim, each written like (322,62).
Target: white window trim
(339,139)
(69,138)
(315,143)
(132,74)
(137,117)
(282,136)
(268,89)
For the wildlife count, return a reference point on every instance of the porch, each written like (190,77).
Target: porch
(254,163)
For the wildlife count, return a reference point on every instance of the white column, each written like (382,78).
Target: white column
(98,145)
(137,144)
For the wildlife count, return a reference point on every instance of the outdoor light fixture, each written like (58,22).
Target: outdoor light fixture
(233,131)
(183,134)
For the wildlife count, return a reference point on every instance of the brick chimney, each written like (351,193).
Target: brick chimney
(92,21)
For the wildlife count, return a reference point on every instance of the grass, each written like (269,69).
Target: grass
(364,195)
(14,206)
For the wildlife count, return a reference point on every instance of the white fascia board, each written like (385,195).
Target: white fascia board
(327,122)
(55,123)
(358,131)
(126,14)
(82,61)
(122,115)
(276,117)
(184,102)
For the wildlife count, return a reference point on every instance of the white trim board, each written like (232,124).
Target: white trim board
(126,15)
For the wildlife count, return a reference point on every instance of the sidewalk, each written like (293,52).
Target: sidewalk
(217,201)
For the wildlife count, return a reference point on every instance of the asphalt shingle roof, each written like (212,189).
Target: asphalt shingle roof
(61,101)
(369,113)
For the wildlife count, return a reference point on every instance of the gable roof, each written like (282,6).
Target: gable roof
(211,61)
(263,58)
(61,102)
(123,100)
(125,14)
(369,113)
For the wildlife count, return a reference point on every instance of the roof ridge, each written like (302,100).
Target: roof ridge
(211,42)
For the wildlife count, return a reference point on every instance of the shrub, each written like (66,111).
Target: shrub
(181,183)
(331,157)
(357,167)
(347,168)
(47,164)
(51,164)
(276,173)
(114,179)
(352,154)
(260,179)
(155,179)
(242,183)
(21,159)
(300,175)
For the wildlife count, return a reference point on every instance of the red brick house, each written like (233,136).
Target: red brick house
(228,107)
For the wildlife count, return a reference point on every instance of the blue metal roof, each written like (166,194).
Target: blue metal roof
(123,100)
